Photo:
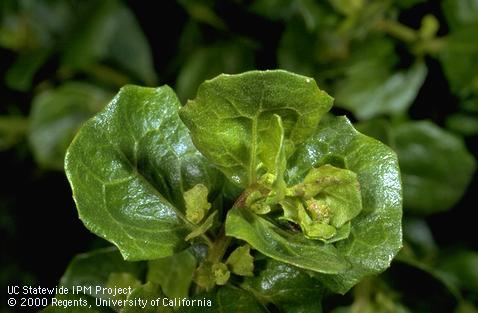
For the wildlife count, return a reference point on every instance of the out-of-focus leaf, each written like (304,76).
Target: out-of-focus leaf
(431,160)
(174,273)
(296,50)
(287,287)
(367,92)
(459,58)
(56,116)
(203,11)
(95,269)
(207,62)
(12,130)
(273,9)
(417,233)
(109,31)
(465,124)
(460,13)
(460,269)
(20,75)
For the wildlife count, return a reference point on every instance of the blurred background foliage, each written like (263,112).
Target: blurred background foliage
(405,71)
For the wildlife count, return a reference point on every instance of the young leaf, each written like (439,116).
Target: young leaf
(287,287)
(128,168)
(196,203)
(375,235)
(241,261)
(230,116)
(56,116)
(173,273)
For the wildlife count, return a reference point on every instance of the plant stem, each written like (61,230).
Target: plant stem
(398,30)
(219,247)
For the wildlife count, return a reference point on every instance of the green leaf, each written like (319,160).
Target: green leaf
(72,303)
(460,13)
(56,117)
(12,129)
(196,203)
(375,235)
(225,300)
(459,58)
(368,93)
(431,160)
(20,75)
(173,273)
(459,269)
(287,287)
(203,228)
(241,261)
(128,168)
(146,298)
(229,118)
(281,245)
(108,30)
(464,124)
(207,62)
(98,268)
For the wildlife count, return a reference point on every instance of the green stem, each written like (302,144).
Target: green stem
(219,247)
(398,30)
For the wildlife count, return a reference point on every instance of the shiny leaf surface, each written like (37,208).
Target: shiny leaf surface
(128,168)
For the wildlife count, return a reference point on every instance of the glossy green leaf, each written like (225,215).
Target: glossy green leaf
(229,118)
(98,268)
(375,235)
(173,273)
(207,62)
(282,245)
(57,115)
(145,299)
(431,160)
(128,168)
(83,304)
(287,287)
(225,300)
